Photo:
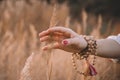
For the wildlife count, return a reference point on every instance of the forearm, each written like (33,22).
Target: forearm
(108,48)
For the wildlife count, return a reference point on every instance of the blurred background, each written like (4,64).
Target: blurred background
(22,20)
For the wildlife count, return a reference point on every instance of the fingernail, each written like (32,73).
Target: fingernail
(65,42)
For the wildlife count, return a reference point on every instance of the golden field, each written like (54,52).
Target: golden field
(20,24)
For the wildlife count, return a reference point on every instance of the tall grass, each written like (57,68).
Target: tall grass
(25,73)
(53,23)
(20,24)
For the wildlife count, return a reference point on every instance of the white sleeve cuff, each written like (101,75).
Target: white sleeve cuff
(116,38)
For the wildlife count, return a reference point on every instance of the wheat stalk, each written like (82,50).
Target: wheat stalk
(33,37)
(109,26)
(25,73)
(79,30)
(96,31)
(67,22)
(84,21)
(53,20)
(53,23)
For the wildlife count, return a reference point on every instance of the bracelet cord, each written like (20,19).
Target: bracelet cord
(84,55)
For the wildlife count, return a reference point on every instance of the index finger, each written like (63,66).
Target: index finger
(43,33)
(65,31)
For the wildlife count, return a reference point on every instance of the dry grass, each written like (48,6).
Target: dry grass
(20,24)
(25,73)
(53,23)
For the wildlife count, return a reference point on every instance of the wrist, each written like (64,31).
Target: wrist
(91,46)
(83,43)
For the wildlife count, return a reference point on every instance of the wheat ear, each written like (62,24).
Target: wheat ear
(25,73)
(84,21)
(67,22)
(53,23)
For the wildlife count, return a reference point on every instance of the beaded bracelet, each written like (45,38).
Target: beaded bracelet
(84,54)
(91,47)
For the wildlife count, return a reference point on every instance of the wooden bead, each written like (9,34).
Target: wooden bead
(90,49)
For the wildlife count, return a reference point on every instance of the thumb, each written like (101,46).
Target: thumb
(71,41)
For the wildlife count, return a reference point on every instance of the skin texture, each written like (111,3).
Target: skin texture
(108,48)
(68,40)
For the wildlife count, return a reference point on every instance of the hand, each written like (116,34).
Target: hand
(63,38)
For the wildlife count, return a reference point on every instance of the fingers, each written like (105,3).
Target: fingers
(45,38)
(46,33)
(53,38)
(53,46)
(56,37)
(65,31)
(43,33)
(57,31)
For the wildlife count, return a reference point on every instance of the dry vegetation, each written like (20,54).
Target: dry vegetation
(20,24)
